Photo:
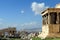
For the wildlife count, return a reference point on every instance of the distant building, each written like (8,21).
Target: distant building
(7,31)
(51,22)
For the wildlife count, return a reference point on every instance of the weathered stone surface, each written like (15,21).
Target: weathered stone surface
(52,28)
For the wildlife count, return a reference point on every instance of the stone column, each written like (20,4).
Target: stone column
(49,22)
(58,26)
(57,18)
(42,20)
(48,18)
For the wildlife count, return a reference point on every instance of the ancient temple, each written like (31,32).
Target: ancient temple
(51,22)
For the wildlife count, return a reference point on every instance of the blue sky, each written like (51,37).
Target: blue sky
(23,14)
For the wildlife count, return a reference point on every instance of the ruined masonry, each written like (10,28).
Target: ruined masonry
(51,22)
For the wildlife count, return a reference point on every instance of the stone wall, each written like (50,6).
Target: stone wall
(54,28)
(51,23)
(45,32)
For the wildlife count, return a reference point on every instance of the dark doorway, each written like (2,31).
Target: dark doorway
(53,17)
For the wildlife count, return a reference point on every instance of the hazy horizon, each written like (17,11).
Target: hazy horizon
(23,14)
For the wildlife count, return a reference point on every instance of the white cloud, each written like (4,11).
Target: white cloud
(29,25)
(23,26)
(1,23)
(22,11)
(1,19)
(12,25)
(38,7)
